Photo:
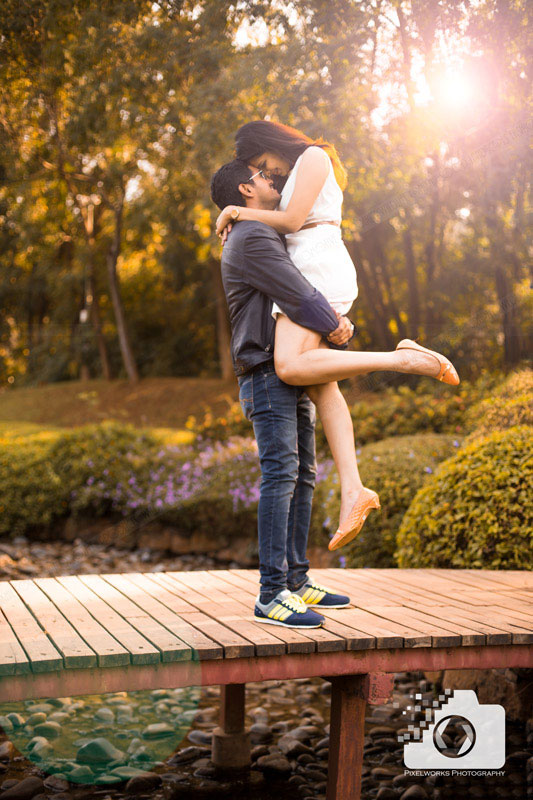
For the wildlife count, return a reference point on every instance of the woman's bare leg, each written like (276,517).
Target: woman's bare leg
(300,362)
(338,428)
(334,415)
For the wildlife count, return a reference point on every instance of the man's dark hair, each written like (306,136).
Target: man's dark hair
(225,183)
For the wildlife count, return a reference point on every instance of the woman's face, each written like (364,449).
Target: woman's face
(271,163)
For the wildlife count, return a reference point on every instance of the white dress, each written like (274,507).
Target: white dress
(319,252)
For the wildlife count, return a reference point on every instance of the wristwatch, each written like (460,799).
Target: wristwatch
(235,214)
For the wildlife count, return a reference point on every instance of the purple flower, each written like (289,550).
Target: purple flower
(428,469)
(455,443)
(342,561)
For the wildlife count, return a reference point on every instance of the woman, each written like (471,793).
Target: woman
(309,214)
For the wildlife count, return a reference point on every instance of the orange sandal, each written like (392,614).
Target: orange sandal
(367,500)
(447,374)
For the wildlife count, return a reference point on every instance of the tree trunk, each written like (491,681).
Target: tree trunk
(223,326)
(372,294)
(116,299)
(390,302)
(96,321)
(430,248)
(412,282)
(507,303)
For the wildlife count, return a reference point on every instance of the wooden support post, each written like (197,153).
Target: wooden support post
(349,695)
(231,743)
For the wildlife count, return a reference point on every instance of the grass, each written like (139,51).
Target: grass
(154,402)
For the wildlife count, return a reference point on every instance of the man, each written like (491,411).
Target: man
(257,270)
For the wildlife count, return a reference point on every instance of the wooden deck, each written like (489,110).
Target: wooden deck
(116,632)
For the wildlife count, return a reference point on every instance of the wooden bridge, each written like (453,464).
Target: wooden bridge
(91,634)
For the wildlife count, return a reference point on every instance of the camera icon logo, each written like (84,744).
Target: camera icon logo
(456,733)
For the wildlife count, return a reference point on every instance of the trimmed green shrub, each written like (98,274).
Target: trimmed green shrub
(31,492)
(477,510)
(510,405)
(393,411)
(395,468)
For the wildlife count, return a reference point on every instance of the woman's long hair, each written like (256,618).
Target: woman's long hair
(261,136)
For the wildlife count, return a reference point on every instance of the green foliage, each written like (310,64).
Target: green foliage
(395,468)
(511,404)
(476,511)
(393,411)
(31,492)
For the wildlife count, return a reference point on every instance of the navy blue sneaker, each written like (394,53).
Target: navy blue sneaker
(289,610)
(313,594)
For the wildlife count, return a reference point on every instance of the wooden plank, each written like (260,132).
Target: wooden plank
(75,651)
(195,634)
(301,643)
(486,583)
(442,635)
(310,641)
(130,585)
(39,649)
(513,579)
(295,641)
(140,649)
(355,639)
(229,613)
(493,635)
(108,651)
(498,623)
(13,659)
(337,629)
(170,647)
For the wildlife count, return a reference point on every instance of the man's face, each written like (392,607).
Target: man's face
(260,192)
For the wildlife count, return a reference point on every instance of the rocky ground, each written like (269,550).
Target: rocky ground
(288,721)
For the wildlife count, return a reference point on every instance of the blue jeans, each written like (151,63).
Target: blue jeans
(284,425)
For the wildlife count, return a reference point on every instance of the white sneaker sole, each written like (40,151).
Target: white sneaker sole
(317,605)
(285,624)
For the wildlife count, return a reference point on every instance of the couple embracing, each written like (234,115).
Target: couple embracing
(289,283)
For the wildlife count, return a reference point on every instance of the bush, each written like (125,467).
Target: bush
(31,492)
(395,468)
(394,411)
(511,404)
(477,510)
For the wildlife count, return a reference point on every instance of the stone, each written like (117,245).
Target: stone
(7,751)
(386,793)
(51,730)
(5,724)
(107,780)
(24,789)
(292,747)
(187,754)
(98,751)
(158,730)
(260,733)
(304,732)
(383,772)
(380,731)
(58,716)
(274,765)
(258,751)
(105,715)
(56,783)
(36,718)
(144,783)
(415,792)
(40,747)
(44,708)
(80,772)
(515,694)
(199,737)
(16,720)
